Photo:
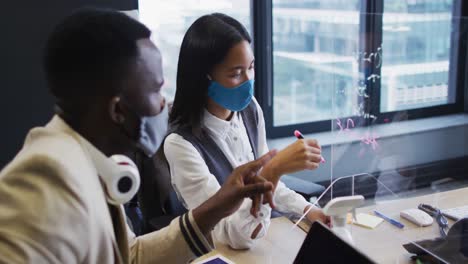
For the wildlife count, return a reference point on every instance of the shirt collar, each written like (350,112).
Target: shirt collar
(58,124)
(219,127)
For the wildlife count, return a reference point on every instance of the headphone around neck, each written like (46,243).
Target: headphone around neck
(119,175)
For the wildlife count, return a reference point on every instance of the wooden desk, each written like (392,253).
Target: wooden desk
(280,245)
(383,244)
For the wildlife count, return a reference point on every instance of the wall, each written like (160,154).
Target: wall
(24,27)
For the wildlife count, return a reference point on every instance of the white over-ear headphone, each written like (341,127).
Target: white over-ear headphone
(118,173)
(123,183)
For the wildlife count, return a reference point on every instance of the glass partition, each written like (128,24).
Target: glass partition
(399,52)
(404,169)
(357,205)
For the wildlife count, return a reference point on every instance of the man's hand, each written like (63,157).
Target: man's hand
(242,183)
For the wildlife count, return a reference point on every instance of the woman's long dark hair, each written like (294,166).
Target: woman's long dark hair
(206,44)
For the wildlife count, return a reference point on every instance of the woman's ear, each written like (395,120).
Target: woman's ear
(115,110)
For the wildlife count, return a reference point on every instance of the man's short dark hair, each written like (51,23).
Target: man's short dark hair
(90,53)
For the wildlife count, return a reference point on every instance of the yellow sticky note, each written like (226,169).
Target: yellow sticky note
(367,220)
(349,218)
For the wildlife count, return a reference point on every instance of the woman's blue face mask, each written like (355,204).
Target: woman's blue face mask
(235,99)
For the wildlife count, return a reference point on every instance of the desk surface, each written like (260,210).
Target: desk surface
(383,244)
(280,245)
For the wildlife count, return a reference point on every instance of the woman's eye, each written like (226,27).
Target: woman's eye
(236,75)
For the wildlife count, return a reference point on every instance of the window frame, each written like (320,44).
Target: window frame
(371,20)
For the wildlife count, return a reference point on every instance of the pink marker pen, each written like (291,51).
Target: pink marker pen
(299,135)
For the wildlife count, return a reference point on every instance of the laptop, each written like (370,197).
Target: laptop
(450,249)
(321,245)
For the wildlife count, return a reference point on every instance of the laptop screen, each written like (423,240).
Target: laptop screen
(322,246)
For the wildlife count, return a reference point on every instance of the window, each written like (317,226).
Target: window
(333,59)
(312,46)
(415,74)
(169,20)
(313,56)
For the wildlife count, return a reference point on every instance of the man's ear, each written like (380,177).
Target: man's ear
(115,110)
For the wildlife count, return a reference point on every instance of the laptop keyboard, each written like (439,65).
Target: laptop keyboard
(456,213)
(426,245)
(430,243)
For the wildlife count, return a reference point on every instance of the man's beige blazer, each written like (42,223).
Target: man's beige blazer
(53,209)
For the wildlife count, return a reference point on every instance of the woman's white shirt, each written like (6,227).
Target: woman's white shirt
(194,183)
